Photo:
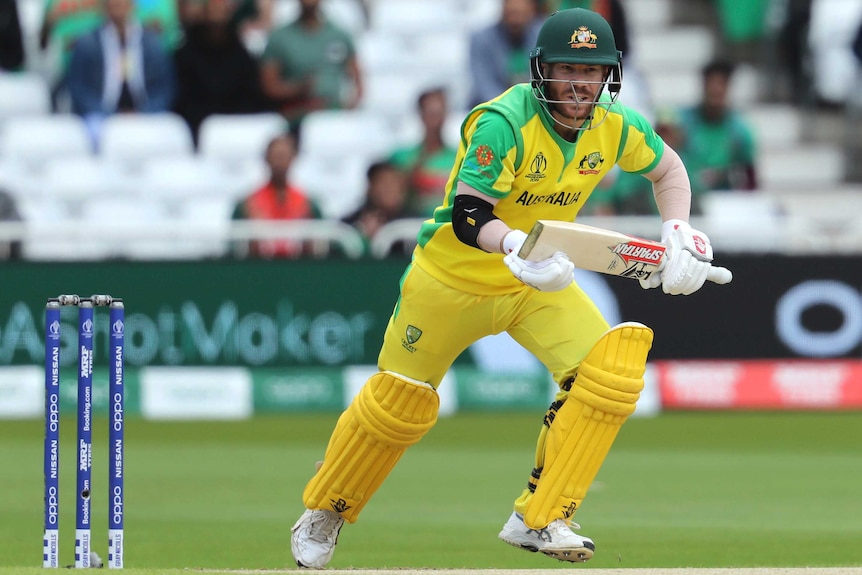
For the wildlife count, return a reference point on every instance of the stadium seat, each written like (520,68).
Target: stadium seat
(238,138)
(381,52)
(73,181)
(129,228)
(339,134)
(34,140)
(24,94)
(244,179)
(481,13)
(671,87)
(347,14)
(393,94)
(175,180)
(416,17)
(284,12)
(45,222)
(775,125)
(14,179)
(134,138)
(650,14)
(337,188)
(209,220)
(678,48)
(442,53)
(814,167)
(743,221)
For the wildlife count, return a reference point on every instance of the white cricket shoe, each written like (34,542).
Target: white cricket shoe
(313,537)
(557,540)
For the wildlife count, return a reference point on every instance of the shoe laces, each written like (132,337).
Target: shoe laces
(559,526)
(324,526)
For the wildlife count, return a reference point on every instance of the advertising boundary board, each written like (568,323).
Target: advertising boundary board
(332,313)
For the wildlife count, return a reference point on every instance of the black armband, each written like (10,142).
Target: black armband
(469,214)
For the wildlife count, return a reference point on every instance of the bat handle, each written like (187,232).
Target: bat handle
(719,275)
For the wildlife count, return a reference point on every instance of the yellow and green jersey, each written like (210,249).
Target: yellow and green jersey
(510,151)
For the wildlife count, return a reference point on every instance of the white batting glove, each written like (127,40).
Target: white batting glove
(552,274)
(687,260)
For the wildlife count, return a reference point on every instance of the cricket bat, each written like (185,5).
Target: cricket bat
(601,250)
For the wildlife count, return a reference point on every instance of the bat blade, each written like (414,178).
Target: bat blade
(601,250)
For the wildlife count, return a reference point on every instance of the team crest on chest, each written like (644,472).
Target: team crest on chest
(591,164)
(537,168)
(583,37)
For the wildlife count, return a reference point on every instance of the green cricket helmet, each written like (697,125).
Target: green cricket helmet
(575,36)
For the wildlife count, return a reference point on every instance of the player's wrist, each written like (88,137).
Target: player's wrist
(668,227)
(512,242)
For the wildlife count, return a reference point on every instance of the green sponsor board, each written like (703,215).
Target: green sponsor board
(298,390)
(480,390)
(254,313)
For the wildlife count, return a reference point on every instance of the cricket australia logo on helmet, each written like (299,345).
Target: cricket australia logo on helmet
(583,37)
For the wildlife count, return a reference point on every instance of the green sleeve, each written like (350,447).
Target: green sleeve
(488,165)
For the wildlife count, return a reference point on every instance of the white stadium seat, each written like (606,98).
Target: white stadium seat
(416,16)
(126,228)
(681,47)
(338,134)
(23,94)
(814,167)
(73,181)
(393,94)
(337,188)
(209,219)
(238,138)
(347,14)
(34,140)
(381,52)
(775,125)
(14,178)
(175,180)
(133,138)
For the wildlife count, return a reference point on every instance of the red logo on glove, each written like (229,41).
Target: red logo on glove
(699,244)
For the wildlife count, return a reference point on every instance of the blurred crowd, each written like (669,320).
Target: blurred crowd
(199,58)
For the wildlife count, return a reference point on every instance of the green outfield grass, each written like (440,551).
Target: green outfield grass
(700,490)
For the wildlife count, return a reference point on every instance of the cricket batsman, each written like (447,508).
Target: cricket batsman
(534,152)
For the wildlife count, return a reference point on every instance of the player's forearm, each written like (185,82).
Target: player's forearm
(671,187)
(491,236)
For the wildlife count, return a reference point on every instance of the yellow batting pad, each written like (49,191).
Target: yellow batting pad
(388,415)
(604,394)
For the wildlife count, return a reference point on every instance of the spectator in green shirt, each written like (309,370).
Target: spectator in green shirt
(310,64)
(428,162)
(718,143)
